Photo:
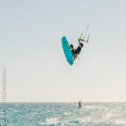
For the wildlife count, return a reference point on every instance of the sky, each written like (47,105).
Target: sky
(31,50)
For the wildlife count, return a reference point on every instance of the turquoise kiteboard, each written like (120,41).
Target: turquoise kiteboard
(67,51)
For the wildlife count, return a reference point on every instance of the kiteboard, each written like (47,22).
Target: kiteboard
(67,51)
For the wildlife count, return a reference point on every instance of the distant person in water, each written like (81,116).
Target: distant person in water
(79,104)
(77,51)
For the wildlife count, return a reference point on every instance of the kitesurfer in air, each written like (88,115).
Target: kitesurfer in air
(77,51)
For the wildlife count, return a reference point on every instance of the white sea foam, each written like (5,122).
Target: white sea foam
(66,114)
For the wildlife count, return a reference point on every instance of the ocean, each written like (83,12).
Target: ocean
(63,114)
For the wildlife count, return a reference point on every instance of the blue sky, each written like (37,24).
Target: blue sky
(30,49)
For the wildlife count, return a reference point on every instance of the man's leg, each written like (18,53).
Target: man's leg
(75,56)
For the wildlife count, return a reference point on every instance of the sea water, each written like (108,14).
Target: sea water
(63,114)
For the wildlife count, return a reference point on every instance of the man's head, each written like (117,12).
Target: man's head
(71,46)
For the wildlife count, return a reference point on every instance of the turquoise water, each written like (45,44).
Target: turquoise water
(63,114)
